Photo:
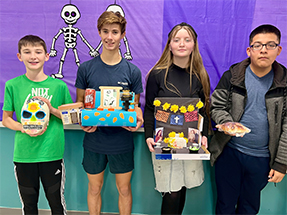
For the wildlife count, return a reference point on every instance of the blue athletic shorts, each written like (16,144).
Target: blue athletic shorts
(95,163)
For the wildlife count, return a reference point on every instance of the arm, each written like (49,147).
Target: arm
(80,95)
(81,98)
(9,122)
(53,110)
(279,166)
(219,100)
(152,88)
(202,111)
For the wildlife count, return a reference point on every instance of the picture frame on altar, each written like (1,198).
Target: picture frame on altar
(110,97)
(194,136)
(158,135)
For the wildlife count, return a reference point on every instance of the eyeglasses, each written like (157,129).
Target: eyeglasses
(269,46)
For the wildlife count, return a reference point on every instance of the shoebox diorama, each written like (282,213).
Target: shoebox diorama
(178,127)
(108,107)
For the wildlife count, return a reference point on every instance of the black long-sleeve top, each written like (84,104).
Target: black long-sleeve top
(155,87)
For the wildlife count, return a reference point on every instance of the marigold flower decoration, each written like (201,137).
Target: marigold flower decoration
(166,106)
(33,107)
(171,134)
(181,134)
(166,140)
(183,109)
(190,108)
(174,108)
(199,104)
(156,103)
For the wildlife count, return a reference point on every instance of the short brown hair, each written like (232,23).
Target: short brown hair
(31,40)
(109,17)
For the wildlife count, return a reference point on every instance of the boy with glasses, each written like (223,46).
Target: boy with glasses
(252,92)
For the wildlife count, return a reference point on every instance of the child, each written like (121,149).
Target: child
(113,145)
(37,157)
(252,92)
(178,73)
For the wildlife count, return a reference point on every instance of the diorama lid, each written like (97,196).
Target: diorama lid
(71,106)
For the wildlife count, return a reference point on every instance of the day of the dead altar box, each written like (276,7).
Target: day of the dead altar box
(112,108)
(178,127)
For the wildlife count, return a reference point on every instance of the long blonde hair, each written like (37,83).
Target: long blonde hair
(195,63)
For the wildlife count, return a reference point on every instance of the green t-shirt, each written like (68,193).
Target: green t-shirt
(50,145)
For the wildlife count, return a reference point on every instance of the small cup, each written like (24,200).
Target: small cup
(194,148)
(166,150)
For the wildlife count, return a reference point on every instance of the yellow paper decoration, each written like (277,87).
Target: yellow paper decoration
(174,108)
(156,103)
(183,109)
(166,106)
(171,134)
(190,108)
(199,104)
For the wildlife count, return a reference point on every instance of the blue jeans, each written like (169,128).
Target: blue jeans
(239,180)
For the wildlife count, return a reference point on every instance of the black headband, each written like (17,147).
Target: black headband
(183,24)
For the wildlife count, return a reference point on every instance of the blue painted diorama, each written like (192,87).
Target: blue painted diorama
(113,107)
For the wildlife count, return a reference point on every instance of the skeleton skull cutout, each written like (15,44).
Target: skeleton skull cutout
(35,116)
(70,14)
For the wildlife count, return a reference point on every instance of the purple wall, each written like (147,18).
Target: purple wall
(223,28)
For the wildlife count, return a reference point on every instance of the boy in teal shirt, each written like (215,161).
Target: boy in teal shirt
(37,156)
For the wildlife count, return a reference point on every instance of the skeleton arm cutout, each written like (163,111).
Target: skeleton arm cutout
(53,51)
(127,55)
(93,52)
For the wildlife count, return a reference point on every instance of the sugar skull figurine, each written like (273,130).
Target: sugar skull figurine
(35,116)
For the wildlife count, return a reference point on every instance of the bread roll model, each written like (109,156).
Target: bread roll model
(233,128)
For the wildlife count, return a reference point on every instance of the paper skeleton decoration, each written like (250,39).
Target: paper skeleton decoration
(70,14)
(35,116)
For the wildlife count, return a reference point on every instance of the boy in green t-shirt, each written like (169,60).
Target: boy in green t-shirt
(37,157)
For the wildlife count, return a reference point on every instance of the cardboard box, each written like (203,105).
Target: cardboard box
(178,127)
(71,113)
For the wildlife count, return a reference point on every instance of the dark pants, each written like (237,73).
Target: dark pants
(239,180)
(52,176)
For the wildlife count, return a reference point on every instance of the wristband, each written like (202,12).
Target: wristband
(138,104)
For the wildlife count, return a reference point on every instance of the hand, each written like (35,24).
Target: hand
(89,129)
(204,141)
(275,176)
(34,135)
(150,143)
(47,101)
(53,110)
(139,121)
